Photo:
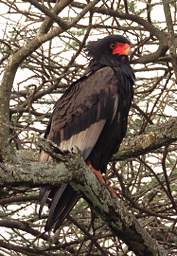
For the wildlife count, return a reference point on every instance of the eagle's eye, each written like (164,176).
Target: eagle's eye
(112,45)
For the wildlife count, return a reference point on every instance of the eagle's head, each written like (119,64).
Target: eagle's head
(114,45)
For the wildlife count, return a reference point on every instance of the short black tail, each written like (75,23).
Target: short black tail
(60,200)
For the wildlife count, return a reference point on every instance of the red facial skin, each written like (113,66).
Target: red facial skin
(121,49)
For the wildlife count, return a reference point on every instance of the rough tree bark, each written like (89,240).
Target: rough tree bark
(112,211)
(154,138)
(26,171)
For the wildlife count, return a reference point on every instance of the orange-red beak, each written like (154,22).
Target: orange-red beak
(121,49)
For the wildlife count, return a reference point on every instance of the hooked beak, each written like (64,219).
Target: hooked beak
(127,49)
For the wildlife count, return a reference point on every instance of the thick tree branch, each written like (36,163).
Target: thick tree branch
(73,170)
(132,146)
(154,138)
(29,173)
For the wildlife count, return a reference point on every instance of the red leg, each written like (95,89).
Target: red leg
(101,179)
(99,176)
(97,173)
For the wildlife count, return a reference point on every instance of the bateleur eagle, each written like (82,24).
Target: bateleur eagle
(91,116)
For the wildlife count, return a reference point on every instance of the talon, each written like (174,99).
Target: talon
(113,193)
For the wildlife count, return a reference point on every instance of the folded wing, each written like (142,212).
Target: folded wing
(77,122)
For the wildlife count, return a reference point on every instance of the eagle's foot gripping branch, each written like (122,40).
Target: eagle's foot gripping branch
(102,180)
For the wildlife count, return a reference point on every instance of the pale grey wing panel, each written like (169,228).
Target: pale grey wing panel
(84,140)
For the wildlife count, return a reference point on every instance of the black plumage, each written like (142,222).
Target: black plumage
(92,116)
